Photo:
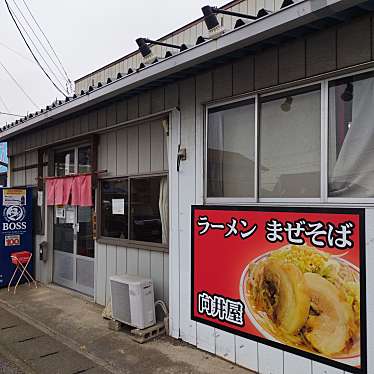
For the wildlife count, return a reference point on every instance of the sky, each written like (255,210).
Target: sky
(86,34)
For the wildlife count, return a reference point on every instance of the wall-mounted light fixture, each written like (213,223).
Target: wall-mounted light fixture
(286,106)
(145,50)
(211,21)
(347,95)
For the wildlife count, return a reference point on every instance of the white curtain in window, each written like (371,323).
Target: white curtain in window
(164,209)
(215,155)
(353,174)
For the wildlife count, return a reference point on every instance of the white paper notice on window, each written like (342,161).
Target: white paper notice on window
(70,215)
(118,206)
(60,211)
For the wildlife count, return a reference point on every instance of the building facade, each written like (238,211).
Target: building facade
(267,114)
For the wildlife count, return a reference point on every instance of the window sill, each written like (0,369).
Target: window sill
(158,247)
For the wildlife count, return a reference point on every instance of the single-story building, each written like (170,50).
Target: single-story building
(271,114)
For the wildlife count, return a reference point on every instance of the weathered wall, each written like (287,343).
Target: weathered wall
(321,52)
(140,149)
(187,35)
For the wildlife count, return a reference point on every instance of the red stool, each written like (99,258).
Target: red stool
(21,260)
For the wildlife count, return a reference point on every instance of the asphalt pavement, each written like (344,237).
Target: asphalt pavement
(8,367)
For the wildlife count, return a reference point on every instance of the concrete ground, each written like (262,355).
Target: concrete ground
(8,367)
(62,330)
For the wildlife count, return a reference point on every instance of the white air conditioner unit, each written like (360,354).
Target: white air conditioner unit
(133,300)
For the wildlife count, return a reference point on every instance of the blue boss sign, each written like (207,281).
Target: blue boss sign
(16,227)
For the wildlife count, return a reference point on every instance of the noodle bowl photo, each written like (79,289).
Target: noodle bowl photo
(305,298)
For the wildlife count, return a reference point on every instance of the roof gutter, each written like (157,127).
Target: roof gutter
(274,24)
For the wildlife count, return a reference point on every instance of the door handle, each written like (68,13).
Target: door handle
(181,156)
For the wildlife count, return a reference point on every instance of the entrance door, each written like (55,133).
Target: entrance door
(74,263)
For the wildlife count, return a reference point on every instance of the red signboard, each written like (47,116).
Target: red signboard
(292,278)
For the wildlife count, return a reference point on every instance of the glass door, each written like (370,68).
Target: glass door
(73,242)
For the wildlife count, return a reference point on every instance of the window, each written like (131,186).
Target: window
(77,160)
(231,150)
(290,145)
(135,208)
(84,160)
(351,137)
(64,163)
(114,209)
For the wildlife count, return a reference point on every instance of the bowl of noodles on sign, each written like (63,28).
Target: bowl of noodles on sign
(307,299)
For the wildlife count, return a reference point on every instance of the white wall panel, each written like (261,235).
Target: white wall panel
(102,151)
(186,198)
(144,263)
(121,137)
(133,149)
(166,278)
(111,268)
(246,353)
(206,338)
(174,248)
(157,274)
(132,261)
(145,149)
(296,364)
(100,273)
(319,368)
(225,345)
(369,219)
(270,360)
(121,260)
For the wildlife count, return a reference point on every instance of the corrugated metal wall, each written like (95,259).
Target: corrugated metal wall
(322,51)
(273,66)
(136,150)
(187,35)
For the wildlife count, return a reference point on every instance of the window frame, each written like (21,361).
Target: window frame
(161,247)
(364,201)
(75,148)
(310,87)
(258,98)
(324,199)
(234,200)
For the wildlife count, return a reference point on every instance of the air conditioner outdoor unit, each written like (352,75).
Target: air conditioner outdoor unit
(133,300)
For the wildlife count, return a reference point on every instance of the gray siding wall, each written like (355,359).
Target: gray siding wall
(306,57)
(187,35)
(117,260)
(318,53)
(134,150)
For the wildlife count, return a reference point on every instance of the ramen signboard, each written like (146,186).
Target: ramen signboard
(290,278)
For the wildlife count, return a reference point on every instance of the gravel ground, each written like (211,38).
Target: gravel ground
(7,367)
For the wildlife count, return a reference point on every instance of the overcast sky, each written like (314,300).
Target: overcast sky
(86,35)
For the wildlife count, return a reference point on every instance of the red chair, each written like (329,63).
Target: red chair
(21,260)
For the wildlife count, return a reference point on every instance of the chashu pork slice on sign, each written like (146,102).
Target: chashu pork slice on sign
(329,326)
(281,292)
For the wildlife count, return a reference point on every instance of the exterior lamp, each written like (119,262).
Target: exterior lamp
(211,21)
(347,95)
(146,52)
(286,106)
(144,48)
